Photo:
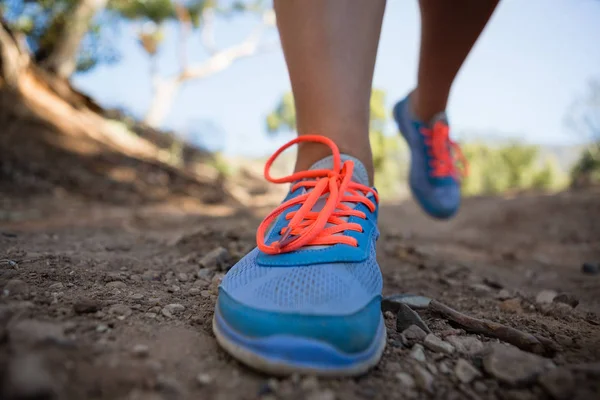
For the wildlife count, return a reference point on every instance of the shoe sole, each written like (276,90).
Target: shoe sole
(283,355)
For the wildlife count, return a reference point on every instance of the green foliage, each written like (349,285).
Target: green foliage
(586,171)
(494,170)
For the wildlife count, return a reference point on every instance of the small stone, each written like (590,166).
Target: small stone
(203,379)
(504,294)
(55,286)
(32,332)
(16,287)
(512,305)
(206,294)
(173,289)
(120,310)
(205,274)
(388,315)
(100,328)
(194,291)
(116,285)
(171,309)
(424,379)
(434,343)
(407,317)
(590,268)
(566,298)
(135,278)
(480,387)
(513,366)
(480,288)
(137,296)
(215,259)
(326,394)
(413,334)
(150,315)
(465,372)
(559,383)
(28,378)
(153,301)
(444,368)
(309,383)
(468,345)
(545,296)
(392,303)
(140,350)
(418,353)
(151,276)
(182,277)
(406,380)
(216,281)
(86,306)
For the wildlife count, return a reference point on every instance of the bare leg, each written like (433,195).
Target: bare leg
(449,30)
(330,49)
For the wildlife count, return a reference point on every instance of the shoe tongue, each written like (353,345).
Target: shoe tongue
(359,175)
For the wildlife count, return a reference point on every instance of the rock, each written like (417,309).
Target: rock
(406,380)
(512,305)
(444,368)
(566,298)
(418,353)
(407,317)
(100,328)
(120,310)
(216,281)
(326,394)
(309,383)
(545,296)
(32,332)
(28,378)
(215,259)
(150,315)
(558,383)
(436,344)
(140,350)
(194,291)
(205,274)
(388,315)
(590,268)
(55,286)
(424,379)
(558,310)
(480,387)
(480,288)
(206,293)
(171,309)
(16,287)
(137,296)
(86,306)
(413,334)
(151,276)
(465,372)
(182,277)
(392,303)
(116,285)
(513,366)
(467,345)
(504,294)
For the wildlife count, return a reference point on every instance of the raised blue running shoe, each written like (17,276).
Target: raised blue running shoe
(307,299)
(434,179)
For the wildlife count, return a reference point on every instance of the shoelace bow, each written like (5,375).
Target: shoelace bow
(307,227)
(444,152)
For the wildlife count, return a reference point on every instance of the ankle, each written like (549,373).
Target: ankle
(424,108)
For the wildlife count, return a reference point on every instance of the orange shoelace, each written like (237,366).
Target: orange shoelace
(307,227)
(444,152)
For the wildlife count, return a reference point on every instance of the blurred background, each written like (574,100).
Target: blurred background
(204,84)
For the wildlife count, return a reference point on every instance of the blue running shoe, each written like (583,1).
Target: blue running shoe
(308,298)
(434,179)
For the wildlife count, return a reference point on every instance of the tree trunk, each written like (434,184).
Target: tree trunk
(162,99)
(63,59)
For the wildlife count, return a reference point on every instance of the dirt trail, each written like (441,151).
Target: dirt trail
(107,302)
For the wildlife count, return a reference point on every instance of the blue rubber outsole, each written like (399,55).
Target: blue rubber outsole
(286,354)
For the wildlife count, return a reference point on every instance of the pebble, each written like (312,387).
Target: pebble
(171,309)
(137,296)
(424,379)
(326,394)
(140,350)
(413,334)
(55,286)
(16,287)
(480,387)
(590,268)
(206,293)
(406,380)
(444,368)
(434,343)
(150,315)
(465,372)
(151,275)
(203,379)
(194,291)
(216,281)
(504,294)
(566,298)
(28,378)
(205,274)
(512,305)
(116,285)
(418,353)
(545,296)
(480,288)
(513,366)
(407,317)
(558,383)
(215,259)
(33,332)
(468,345)
(388,315)
(309,383)
(120,310)
(86,306)
(182,277)
(392,303)
(101,328)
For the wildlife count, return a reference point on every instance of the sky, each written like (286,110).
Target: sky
(532,61)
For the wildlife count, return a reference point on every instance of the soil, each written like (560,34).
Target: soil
(86,284)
